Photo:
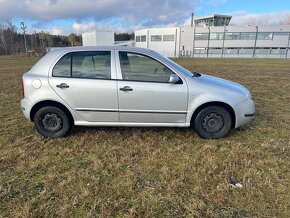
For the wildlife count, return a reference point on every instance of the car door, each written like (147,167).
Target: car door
(144,93)
(86,82)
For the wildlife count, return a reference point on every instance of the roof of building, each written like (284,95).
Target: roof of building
(211,16)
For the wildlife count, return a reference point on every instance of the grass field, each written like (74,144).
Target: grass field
(150,172)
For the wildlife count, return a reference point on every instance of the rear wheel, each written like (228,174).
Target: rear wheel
(213,122)
(52,122)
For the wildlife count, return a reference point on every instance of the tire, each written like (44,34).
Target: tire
(213,122)
(52,122)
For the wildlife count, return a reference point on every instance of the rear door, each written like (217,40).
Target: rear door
(145,95)
(86,82)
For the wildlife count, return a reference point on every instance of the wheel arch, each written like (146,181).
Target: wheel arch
(42,104)
(215,103)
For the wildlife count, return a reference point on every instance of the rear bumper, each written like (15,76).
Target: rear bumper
(25,106)
(245,112)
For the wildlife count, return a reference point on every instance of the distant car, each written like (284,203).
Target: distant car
(121,86)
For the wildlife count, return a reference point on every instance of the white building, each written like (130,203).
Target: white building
(98,38)
(217,41)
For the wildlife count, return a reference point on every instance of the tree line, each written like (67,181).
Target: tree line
(14,42)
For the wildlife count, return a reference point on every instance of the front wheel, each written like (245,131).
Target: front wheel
(213,122)
(52,122)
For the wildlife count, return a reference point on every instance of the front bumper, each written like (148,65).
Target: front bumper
(25,106)
(245,112)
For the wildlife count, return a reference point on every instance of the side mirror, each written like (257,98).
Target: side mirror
(174,79)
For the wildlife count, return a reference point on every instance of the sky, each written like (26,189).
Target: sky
(62,17)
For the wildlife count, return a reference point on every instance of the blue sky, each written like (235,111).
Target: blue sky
(67,16)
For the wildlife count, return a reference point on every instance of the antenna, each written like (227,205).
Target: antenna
(23,27)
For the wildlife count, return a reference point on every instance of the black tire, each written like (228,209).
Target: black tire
(213,122)
(52,122)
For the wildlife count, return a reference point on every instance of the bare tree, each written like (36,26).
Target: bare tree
(23,27)
(12,31)
(265,21)
(42,37)
(6,36)
(3,38)
(72,38)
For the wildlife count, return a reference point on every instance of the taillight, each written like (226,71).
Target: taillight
(22,89)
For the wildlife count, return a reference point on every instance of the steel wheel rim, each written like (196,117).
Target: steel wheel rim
(51,122)
(212,122)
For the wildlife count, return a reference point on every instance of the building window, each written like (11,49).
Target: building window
(156,38)
(216,36)
(201,36)
(232,36)
(278,51)
(215,51)
(281,34)
(143,38)
(262,51)
(200,50)
(265,36)
(138,38)
(231,51)
(248,36)
(168,38)
(246,50)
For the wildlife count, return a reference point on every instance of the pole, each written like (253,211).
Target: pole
(175,38)
(23,27)
(287,51)
(254,52)
(224,36)
(193,47)
(179,41)
(208,42)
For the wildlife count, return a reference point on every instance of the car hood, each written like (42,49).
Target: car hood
(221,86)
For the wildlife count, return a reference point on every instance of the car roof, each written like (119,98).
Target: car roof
(98,48)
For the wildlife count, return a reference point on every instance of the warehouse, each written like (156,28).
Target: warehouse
(212,37)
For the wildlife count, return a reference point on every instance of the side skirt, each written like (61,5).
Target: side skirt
(84,123)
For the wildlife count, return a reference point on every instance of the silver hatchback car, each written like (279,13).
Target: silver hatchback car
(121,86)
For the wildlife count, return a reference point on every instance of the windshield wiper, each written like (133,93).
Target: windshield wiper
(195,74)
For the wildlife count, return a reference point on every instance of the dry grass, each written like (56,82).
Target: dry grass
(151,171)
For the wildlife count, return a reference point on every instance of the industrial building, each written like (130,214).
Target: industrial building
(98,38)
(212,37)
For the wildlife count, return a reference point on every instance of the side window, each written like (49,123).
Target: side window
(92,65)
(62,67)
(137,67)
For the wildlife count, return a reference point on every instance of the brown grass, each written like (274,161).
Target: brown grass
(130,172)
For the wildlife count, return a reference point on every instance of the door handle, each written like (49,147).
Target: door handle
(62,86)
(126,89)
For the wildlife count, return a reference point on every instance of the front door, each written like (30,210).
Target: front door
(145,95)
(83,81)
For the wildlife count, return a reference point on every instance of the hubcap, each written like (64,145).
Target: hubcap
(51,122)
(212,122)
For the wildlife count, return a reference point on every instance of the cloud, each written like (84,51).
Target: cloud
(242,18)
(99,10)
(66,16)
